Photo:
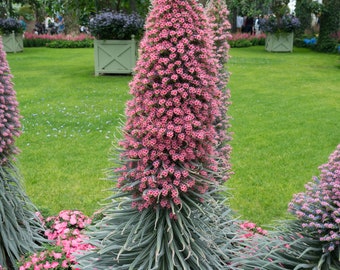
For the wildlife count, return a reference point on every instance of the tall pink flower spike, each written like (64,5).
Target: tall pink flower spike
(9,113)
(169,133)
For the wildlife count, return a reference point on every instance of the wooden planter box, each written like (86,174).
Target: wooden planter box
(115,56)
(279,42)
(13,42)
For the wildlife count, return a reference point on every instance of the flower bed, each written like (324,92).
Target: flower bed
(58,41)
(246,40)
(86,41)
(65,232)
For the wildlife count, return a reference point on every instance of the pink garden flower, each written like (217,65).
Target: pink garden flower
(251,229)
(66,232)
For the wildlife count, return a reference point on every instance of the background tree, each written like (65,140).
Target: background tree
(247,8)
(329,26)
(139,6)
(303,12)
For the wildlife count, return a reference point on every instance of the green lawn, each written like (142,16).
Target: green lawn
(285,119)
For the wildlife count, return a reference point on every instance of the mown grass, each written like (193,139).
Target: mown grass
(69,122)
(286,113)
(285,122)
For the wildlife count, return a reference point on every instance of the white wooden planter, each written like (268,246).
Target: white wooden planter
(13,42)
(279,42)
(115,56)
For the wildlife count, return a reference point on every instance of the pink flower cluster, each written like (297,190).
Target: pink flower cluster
(66,232)
(9,113)
(252,229)
(319,207)
(217,14)
(79,37)
(47,259)
(169,134)
(239,36)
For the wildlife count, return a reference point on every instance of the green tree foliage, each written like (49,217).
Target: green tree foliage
(329,25)
(139,6)
(303,12)
(246,8)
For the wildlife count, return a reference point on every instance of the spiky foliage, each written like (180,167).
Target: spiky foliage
(217,13)
(202,236)
(288,246)
(20,228)
(310,242)
(163,214)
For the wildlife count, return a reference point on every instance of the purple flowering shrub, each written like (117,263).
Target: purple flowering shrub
(8,25)
(318,207)
(116,25)
(312,240)
(9,113)
(217,14)
(286,23)
(20,229)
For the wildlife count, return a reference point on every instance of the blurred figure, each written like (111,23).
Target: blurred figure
(61,24)
(23,23)
(239,23)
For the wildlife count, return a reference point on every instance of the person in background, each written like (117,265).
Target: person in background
(257,25)
(249,25)
(239,23)
(23,23)
(61,24)
(49,23)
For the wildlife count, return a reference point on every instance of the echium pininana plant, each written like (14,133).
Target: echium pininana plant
(312,240)
(318,208)
(162,214)
(20,228)
(217,13)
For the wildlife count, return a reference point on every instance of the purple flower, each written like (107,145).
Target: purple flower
(322,216)
(7,26)
(286,23)
(116,25)
(9,113)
